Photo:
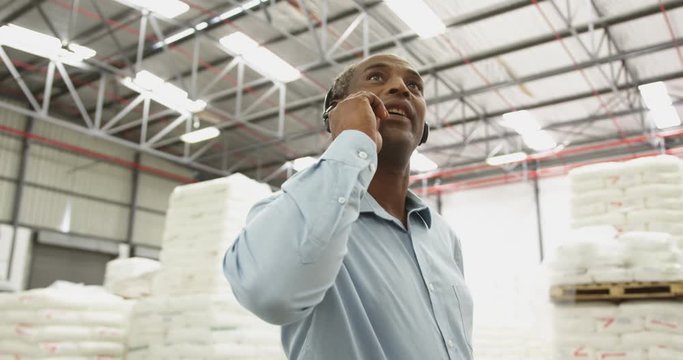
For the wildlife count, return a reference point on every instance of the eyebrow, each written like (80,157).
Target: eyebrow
(384,65)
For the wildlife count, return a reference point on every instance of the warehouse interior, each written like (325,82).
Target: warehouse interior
(554,131)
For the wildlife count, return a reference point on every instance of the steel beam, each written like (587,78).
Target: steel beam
(113,139)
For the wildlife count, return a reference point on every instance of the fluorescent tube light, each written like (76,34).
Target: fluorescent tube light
(421,163)
(506,158)
(520,121)
(665,117)
(163,92)
(655,95)
(239,9)
(259,58)
(202,25)
(179,35)
(418,16)
(303,162)
(165,8)
(43,45)
(200,135)
(540,140)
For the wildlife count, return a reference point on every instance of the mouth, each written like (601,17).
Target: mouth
(398,109)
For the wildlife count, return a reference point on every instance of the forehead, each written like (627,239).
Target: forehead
(388,62)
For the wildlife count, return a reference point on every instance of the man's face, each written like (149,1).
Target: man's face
(400,88)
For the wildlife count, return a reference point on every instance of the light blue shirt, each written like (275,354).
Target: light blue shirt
(344,278)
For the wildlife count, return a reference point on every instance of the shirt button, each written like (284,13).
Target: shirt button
(450,343)
(341,200)
(431,287)
(363,155)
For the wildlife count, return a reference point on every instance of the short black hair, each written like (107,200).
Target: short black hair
(340,87)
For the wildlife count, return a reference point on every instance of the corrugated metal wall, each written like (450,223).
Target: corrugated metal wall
(10,148)
(98,193)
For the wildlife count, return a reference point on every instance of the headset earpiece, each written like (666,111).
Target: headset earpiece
(425,134)
(327,107)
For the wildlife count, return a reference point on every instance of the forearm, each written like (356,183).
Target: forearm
(292,247)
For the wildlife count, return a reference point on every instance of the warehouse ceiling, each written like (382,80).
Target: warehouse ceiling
(575,65)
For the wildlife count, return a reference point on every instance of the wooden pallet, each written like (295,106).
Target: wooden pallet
(617,291)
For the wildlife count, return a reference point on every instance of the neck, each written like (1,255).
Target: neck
(389,187)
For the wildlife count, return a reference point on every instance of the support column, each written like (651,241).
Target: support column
(537,200)
(19,191)
(135,181)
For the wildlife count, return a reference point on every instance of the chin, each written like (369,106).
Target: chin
(398,142)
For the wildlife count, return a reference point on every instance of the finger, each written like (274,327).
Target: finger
(377,105)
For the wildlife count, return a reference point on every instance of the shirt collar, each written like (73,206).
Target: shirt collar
(413,204)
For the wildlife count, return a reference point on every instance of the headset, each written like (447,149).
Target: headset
(328,106)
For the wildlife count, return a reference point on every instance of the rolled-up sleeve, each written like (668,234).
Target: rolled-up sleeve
(292,247)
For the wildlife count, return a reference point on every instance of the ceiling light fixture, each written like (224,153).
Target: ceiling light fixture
(665,117)
(43,45)
(259,58)
(507,158)
(418,16)
(200,135)
(204,24)
(166,8)
(421,163)
(520,121)
(539,140)
(525,124)
(657,99)
(163,92)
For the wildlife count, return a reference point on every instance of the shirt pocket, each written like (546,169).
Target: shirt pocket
(466,308)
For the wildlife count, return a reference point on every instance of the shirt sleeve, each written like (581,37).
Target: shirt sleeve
(292,247)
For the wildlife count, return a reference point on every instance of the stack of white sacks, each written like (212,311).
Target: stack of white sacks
(130,278)
(641,202)
(644,194)
(193,313)
(599,254)
(63,321)
(630,331)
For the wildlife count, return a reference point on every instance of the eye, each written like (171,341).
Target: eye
(375,77)
(414,85)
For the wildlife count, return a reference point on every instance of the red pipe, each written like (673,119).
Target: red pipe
(571,151)
(96,155)
(531,174)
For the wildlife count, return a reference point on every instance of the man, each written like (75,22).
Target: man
(345,258)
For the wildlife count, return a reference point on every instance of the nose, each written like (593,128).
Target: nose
(398,87)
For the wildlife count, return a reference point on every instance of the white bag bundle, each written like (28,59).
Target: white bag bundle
(672,272)
(662,353)
(566,325)
(130,277)
(648,339)
(619,324)
(655,164)
(655,190)
(591,172)
(622,354)
(604,196)
(646,241)
(610,274)
(593,310)
(574,353)
(63,320)
(598,341)
(651,308)
(612,218)
(662,323)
